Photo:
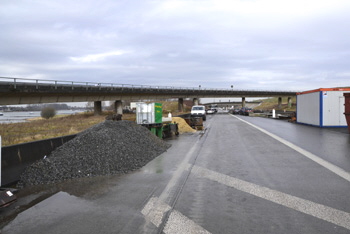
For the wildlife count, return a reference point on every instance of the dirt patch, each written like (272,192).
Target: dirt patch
(183,126)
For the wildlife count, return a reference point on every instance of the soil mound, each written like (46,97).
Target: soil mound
(109,147)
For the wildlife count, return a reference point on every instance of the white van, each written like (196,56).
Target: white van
(198,111)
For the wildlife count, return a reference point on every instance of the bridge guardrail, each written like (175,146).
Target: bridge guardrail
(16,81)
(41,82)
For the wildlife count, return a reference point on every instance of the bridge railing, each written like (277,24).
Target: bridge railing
(99,85)
(20,81)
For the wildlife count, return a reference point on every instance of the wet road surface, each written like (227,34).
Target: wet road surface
(239,175)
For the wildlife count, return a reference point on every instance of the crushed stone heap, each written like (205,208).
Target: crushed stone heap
(110,147)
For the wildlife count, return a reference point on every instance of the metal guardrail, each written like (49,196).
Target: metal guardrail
(20,81)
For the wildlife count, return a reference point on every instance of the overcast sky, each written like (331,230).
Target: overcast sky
(263,44)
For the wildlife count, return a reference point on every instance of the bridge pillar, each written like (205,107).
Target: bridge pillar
(97,107)
(289,102)
(118,107)
(181,105)
(243,101)
(279,102)
(195,101)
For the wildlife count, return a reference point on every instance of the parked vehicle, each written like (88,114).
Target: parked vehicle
(198,111)
(211,111)
(234,111)
(245,111)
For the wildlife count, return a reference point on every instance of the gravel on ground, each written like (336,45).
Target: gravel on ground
(110,147)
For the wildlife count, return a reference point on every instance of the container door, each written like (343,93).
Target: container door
(158,112)
(342,119)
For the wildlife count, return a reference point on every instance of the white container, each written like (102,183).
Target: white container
(144,113)
(322,107)
(148,113)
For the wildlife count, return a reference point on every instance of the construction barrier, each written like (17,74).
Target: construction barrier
(15,158)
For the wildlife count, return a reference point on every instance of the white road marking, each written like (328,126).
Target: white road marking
(333,168)
(178,223)
(338,217)
(155,210)
(184,166)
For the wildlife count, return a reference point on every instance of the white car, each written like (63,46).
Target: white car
(198,111)
(210,111)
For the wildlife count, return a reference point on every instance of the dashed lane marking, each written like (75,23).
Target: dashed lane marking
(178,223)
(157,210)
(338,217)
(333,168)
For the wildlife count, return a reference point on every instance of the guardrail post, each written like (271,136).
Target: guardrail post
(14,83)
(37,87)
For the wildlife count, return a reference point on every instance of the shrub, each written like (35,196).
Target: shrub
(48,112)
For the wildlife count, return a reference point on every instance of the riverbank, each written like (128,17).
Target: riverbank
(39,128)
(8,117)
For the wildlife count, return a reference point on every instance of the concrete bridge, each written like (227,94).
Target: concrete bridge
(16,91)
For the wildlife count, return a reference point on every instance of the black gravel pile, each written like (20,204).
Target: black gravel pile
(110,147)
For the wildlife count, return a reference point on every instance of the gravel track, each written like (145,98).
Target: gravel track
(110,147)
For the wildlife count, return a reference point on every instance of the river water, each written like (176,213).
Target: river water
(23,116)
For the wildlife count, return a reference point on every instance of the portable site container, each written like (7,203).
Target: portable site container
(149,113)
(322,107)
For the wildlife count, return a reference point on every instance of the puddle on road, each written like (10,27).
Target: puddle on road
(60,206)
(155,166)
(86,188)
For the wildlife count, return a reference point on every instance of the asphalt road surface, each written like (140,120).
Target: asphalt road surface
(239,175)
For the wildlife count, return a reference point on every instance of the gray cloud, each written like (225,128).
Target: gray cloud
(249,44)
